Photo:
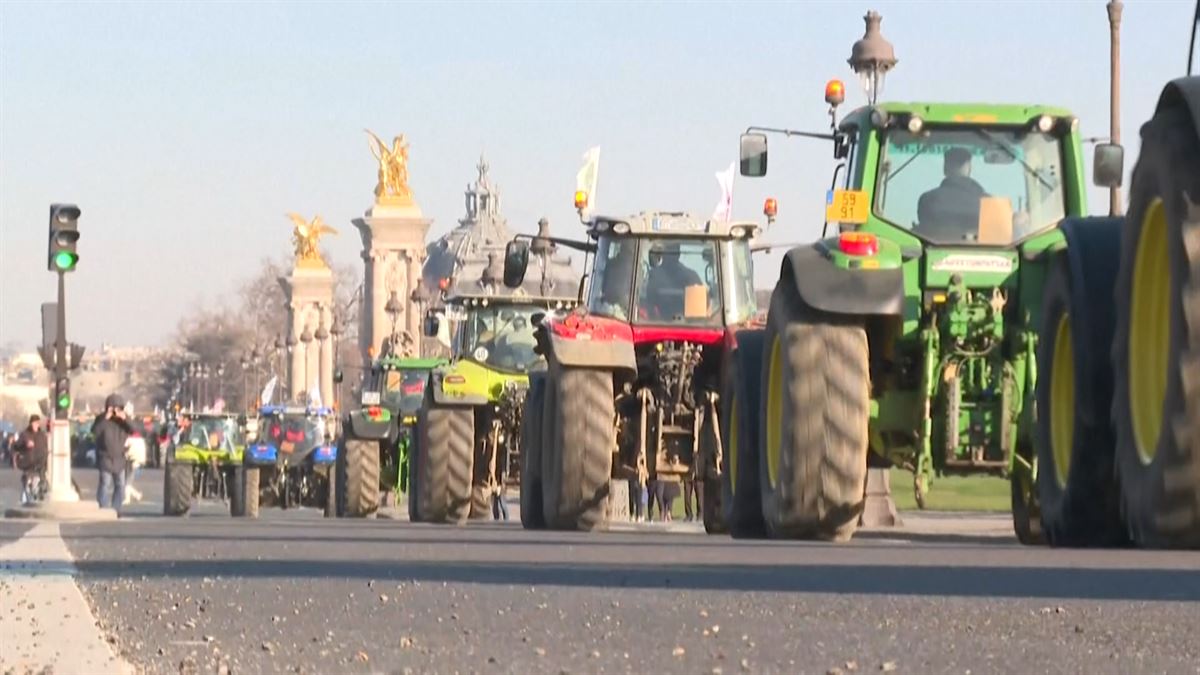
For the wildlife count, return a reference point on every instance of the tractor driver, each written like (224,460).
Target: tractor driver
(951,210)
(666,280)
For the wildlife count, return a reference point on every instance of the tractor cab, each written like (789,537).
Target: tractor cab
(671,271)
(289,435)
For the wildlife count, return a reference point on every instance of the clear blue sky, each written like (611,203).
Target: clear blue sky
(185,131)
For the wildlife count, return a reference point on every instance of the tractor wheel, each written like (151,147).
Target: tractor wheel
(250,491)
(577,465)
(1075,488)
(178,483)
(739,415)
(442,480)
(414,512)
(357,468)
(481,502)
(1156,352)
(815,385)
(710,503)
(332,509)
(237,496)
(532,517)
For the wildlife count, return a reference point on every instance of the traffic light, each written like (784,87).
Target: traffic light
(64,233)
(62,394)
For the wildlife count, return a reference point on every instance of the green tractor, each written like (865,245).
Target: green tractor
(203,462)
(469,425)
(907,337)
(377,436)
(1118,436)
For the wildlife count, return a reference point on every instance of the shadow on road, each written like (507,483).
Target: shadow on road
(941,580)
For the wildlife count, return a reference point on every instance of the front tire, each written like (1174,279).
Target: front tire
(237,496)
(815,385)
(443,472)
(357,468)
(178,484)
(1156,353)
(578,461)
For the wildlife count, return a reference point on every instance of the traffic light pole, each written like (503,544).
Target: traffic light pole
(61,489)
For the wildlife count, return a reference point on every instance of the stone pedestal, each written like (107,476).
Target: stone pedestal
(393,253)
(309,293)
(618,501)
(879,509)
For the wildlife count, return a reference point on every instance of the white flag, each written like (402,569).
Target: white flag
(588,177)
(268,391)
(724,210)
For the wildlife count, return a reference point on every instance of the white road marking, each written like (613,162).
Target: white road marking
(45,622)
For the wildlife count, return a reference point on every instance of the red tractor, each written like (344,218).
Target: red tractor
(635,372)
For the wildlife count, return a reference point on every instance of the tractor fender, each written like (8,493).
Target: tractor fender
(829,288)
(588,341)
(1182,91)
(441,397)
(1092,255)
(365,428)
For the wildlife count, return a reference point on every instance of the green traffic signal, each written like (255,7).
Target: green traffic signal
(64,401)
(64,261)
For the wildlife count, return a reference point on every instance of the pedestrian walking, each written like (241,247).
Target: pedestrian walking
(30,453)
(499,508)
(637,500)
(111,430)
(693,490)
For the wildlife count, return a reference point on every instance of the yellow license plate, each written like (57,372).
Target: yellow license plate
(847,206)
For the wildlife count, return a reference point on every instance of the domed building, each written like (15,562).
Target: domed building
(468,260)
(456,263)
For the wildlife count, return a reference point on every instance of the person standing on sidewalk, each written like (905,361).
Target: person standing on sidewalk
(499,508)
(111,430)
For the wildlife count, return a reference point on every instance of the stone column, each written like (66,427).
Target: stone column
(393,240)
(326,358)
(309,290)
(296,362)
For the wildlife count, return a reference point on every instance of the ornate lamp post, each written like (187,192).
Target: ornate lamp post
(872,57)
(394,309)
(245,363)
(336,330)
(256,363)
(421,297)
(322,338)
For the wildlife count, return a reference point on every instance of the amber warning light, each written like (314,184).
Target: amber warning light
(581,200)
(770,209)
(835,92)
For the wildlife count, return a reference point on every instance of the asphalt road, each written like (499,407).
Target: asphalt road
(293,592)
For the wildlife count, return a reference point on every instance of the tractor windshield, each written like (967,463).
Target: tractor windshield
(404,389)
(667,280)
(295,433)
(211,433)
(971,185)
(501,336)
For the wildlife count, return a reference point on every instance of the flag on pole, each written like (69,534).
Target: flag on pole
(724,210)
(588,177)
(268,391)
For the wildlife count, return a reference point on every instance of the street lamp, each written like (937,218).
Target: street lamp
(221,381)
(336,331)
(872,57)
(393,309)
(255,362)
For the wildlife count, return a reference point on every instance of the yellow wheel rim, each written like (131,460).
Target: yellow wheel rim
(732,450)
(1062,401)
(774,412)
(1149,331)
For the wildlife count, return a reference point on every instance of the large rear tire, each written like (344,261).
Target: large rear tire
(443,473)
(711,512)
(815,385)
(1156,352)
(357,468)
(739,429)
(1075,486)
(532,517)
(576,475)
(178,483)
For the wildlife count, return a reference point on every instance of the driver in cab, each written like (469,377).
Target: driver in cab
(951,210)
(666,280)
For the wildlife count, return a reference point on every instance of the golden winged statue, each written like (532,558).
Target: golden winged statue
(393,169)
(305,235)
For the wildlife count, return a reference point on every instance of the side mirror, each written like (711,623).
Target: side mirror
(1108,165)
(516,261)
(753,155)
(432,325)
(338,376)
